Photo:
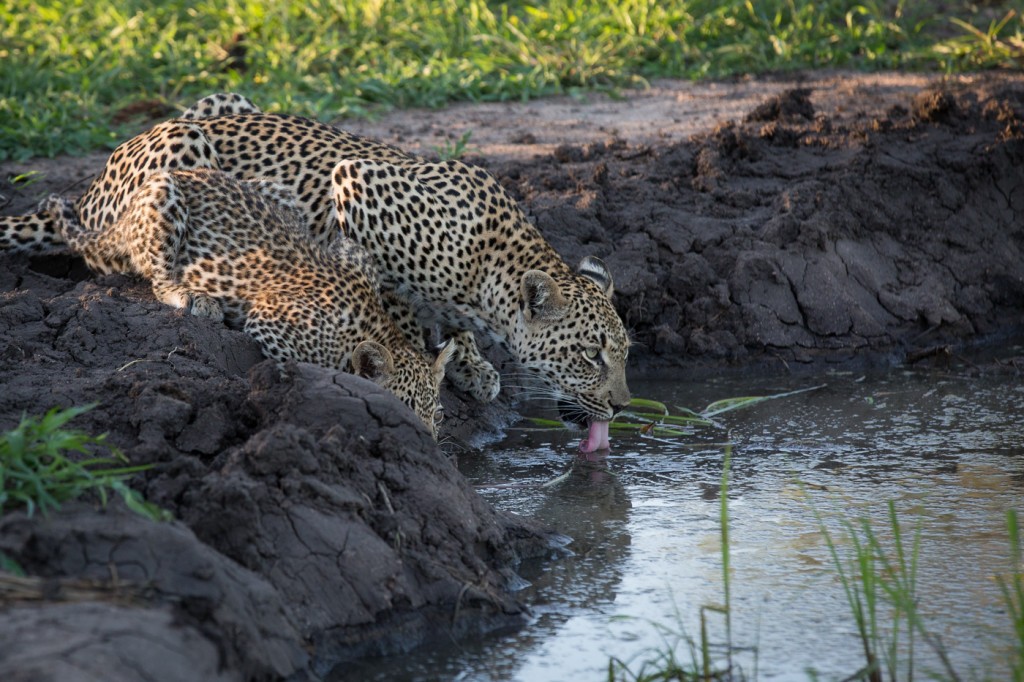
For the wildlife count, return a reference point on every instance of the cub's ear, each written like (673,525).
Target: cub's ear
(542,299)
(373,361)
(445,352)
(595,269)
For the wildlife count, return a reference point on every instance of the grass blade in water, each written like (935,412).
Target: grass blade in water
(649,417)
(730,404)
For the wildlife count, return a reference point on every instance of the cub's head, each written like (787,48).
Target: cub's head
(569,334)
(414,378)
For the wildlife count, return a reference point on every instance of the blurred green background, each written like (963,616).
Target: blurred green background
(78,75)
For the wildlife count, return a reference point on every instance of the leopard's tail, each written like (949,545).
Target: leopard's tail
(34,232)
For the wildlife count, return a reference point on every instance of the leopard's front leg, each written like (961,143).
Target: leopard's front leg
(468,370)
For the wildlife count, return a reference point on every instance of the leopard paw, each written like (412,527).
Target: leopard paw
(474,376)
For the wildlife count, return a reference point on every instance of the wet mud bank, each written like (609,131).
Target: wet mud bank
(315,519)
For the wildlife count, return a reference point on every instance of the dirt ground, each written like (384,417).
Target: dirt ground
(800,222)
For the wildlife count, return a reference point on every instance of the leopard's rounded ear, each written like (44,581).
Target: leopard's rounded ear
(373,361)
(594,268)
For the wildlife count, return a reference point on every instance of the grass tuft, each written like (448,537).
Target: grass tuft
(453,150)
(1012,588)
(9,565)
(881,590)
(86,86)
(37,474)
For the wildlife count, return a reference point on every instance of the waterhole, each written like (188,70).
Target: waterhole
(645,522)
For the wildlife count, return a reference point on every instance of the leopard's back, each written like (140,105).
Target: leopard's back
(221,132)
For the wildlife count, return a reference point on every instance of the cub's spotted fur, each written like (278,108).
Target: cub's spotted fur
(241,251)
(448,239)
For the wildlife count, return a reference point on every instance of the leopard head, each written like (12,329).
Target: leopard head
(569,335)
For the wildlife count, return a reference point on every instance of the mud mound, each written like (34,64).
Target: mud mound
(800,236)
(789,105)
(317,519)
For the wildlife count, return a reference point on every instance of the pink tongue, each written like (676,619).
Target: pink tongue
(597,437)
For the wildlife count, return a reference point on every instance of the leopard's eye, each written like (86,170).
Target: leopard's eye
(439,415)
(592,353)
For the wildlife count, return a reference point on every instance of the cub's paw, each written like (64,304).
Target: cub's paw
(201,305)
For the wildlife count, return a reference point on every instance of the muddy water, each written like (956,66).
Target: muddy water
(644,520)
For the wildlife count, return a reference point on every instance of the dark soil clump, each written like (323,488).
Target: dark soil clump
(791,105)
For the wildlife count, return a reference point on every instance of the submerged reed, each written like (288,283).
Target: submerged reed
(653,418)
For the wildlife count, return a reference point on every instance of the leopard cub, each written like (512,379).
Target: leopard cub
(241,251)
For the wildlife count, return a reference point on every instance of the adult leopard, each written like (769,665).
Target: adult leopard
(450,243)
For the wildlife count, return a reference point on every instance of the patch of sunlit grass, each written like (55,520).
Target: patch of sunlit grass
(43,464)
(1000,43)
(68,91)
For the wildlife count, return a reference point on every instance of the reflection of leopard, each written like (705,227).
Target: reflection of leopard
(448,240)
(241,251)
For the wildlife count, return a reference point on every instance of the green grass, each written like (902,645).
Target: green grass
(37,473)
(455,149)
(69,66)
(879,579)
(1012,587)
(9,565)
(874,579)
(880,582)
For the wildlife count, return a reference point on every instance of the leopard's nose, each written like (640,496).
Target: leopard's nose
(618,408)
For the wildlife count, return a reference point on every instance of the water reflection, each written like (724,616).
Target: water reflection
(949,451)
